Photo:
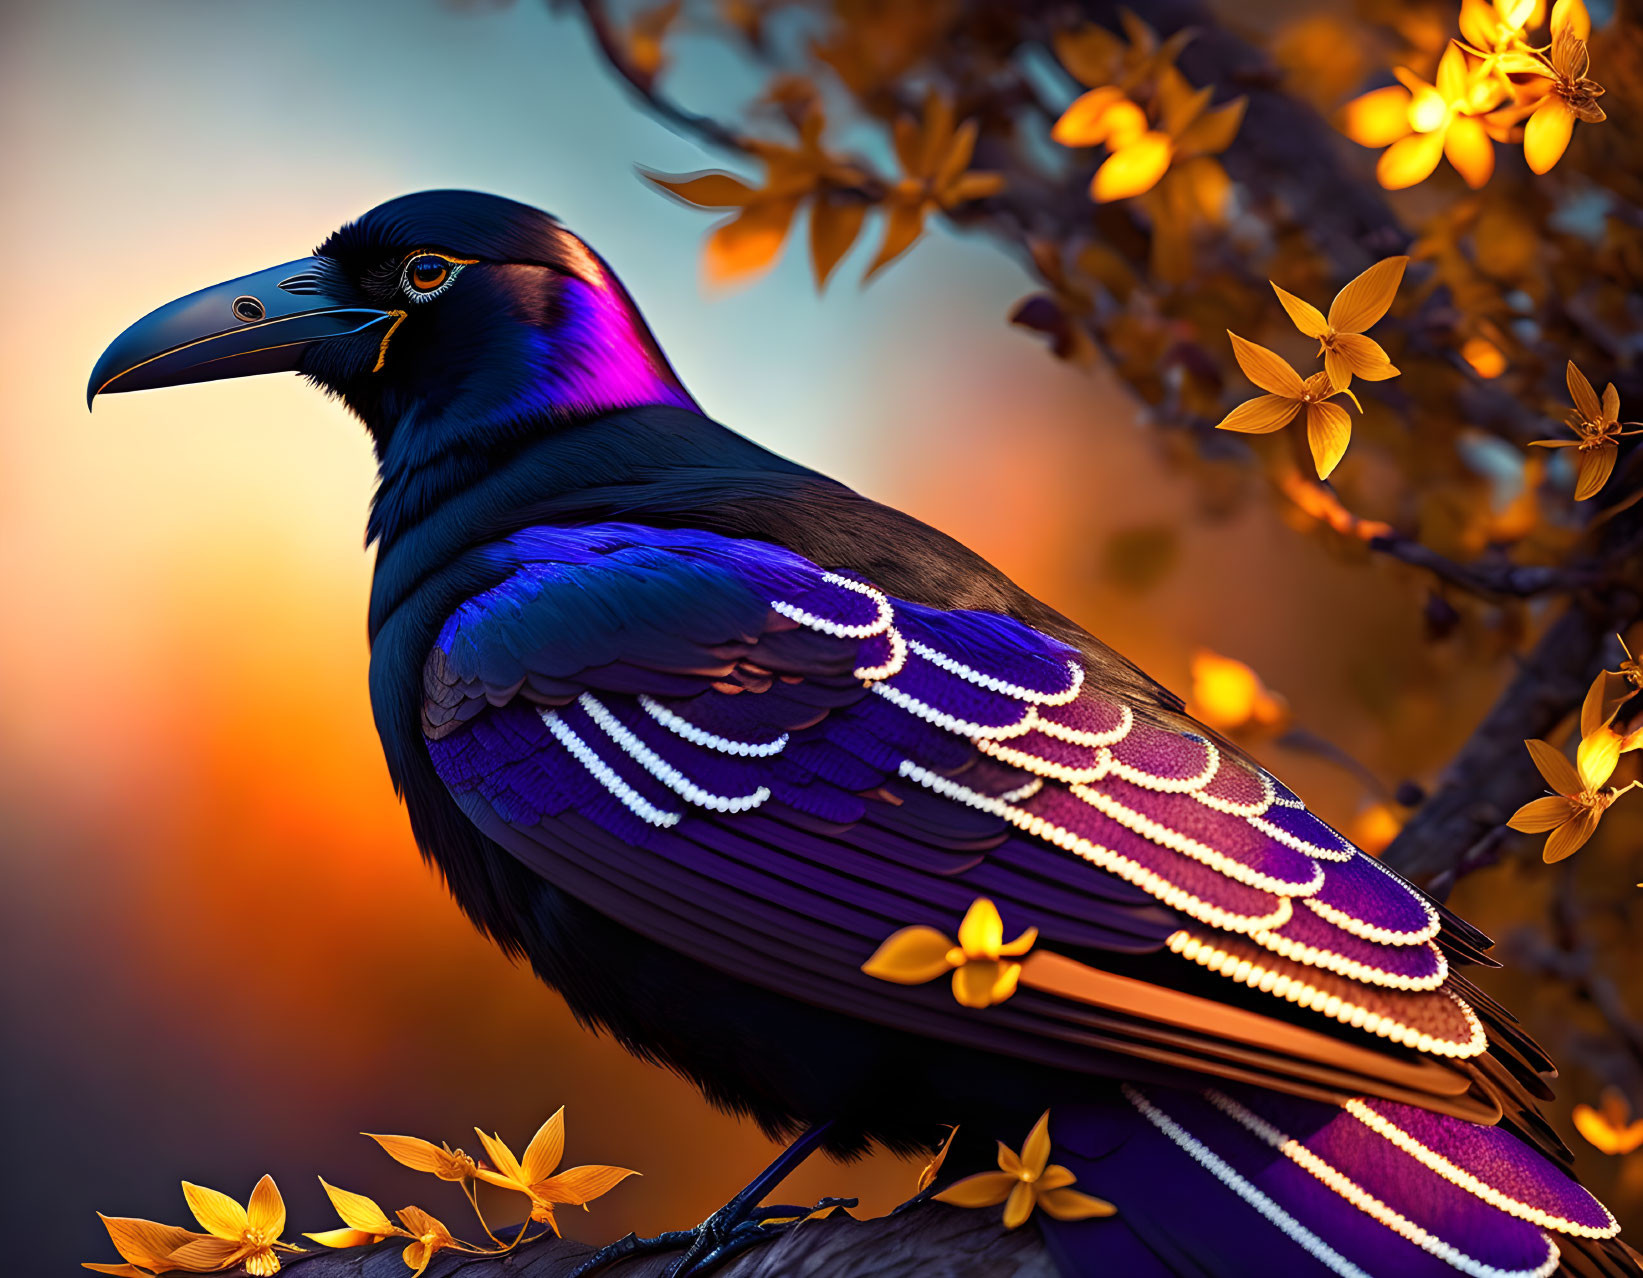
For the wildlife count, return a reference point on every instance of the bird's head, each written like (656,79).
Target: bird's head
(445,314)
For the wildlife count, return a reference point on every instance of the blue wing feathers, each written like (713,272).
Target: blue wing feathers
(770,767)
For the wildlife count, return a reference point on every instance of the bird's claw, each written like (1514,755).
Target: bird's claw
(726,1233)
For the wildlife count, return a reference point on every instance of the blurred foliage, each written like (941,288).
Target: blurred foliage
(249,1237)
(1167,180)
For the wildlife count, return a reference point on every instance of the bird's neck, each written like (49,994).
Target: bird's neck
(654,463)
(593,356)
(596,355)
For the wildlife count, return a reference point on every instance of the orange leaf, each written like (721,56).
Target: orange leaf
(1328,432)
(711,190)
(1306,317)
(902,226)
(1212,132)
(1560,774)
(578,1186)
(1261,415)
(1133,169)
(1364,300)
(1267,369)
(1378,118)
(1409,161)
(1546,136)
(911,956)
(1570,837)
(1540,815)
(1581,393)
(749,243)
(1593,466)
(834,225)
(1085,122)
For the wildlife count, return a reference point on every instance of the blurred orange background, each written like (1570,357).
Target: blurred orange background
(222,954)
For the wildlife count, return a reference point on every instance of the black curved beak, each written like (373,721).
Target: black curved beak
(256,324)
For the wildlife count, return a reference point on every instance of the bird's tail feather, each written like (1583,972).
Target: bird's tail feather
(1250,1182)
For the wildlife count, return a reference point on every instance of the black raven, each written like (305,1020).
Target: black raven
(805,800)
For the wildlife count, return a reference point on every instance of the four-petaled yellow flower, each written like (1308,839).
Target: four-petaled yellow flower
(1027,1181)
(1328,428)
(235,1235)
(1579,800)
(533,1175)
(981,962)
(1442,122)
(424,1156)
(1597,428)
(1572,97)
(1359,306)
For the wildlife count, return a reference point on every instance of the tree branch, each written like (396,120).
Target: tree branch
(1290,161)
(1488,578)
(932,1240)
(1492,775)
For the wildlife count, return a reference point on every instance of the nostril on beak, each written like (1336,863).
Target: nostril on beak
(248,309)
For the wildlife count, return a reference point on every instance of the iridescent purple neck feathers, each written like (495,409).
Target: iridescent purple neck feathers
(554,350)
(600,355)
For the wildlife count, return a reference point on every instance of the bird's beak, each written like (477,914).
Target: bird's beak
(256,324)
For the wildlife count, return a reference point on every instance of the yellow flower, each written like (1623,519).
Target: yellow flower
(1441,124)
(1377,118)
(979,960)
(141,1242)
(1138,153)
(365,1221)
(533,1175)
(1572,95)
(1579,800)
(1328,428)
(1612,1128)
(1597,429)
(1360,305)
(427,1236)
(1027,1181)
(424,1156)
(235,1235)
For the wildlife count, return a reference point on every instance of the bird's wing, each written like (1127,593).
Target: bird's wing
(772,768)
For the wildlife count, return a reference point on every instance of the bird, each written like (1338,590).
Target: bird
(799,797)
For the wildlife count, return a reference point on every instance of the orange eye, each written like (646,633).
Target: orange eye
(427,273)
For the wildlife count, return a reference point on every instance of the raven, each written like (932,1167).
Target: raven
(760,774)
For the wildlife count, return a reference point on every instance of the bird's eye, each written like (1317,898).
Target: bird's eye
(427,275)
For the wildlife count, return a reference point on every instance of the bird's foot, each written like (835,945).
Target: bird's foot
(735,1227)
(726,1233)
